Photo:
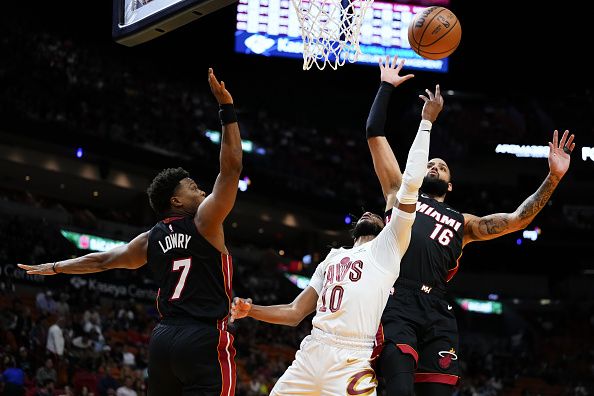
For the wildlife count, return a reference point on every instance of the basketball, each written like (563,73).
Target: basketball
(434,32)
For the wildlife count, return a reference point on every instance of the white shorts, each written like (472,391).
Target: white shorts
(327,365)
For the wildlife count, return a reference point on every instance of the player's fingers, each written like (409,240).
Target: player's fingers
(437,91)
(407,77)
(431,97)
(556,138)
(570,140)
(395,62)
(424,98)
(380,62)
(400,65)
(563,139)
(25,267)
(249,301)
(213,81)
(571,147)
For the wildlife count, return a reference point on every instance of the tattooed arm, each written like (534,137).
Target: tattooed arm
(495,225)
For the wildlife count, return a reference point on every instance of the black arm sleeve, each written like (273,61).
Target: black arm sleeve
(376,122)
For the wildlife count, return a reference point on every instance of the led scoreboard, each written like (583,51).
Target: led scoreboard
(271,28)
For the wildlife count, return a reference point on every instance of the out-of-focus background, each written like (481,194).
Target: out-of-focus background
(86,123)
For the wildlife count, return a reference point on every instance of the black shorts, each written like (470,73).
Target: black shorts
(191,359)
(423,325)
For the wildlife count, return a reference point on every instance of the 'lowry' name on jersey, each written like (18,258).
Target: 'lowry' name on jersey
(175,241)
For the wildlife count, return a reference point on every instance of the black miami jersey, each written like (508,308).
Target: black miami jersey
(417,320)
(193,277)
(435,245)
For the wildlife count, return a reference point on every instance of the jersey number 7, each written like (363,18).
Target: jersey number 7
(183,265)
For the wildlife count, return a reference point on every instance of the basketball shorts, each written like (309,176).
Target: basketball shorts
(191,358)
(423,325)
(328,365)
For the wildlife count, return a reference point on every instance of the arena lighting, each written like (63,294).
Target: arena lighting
(531,234)
(480,306)
(244,183)
(348,219)
(246,145)
(298,280)
(533,151)
(79,152)
(306,259)
(91,242)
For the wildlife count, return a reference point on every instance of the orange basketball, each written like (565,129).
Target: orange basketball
(434,32)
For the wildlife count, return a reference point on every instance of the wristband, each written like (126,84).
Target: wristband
(227,114)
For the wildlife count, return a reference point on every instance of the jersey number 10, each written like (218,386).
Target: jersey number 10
(335,299)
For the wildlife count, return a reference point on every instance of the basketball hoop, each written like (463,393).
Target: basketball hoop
(330,31)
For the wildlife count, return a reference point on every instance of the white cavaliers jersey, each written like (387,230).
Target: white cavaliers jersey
(353,285)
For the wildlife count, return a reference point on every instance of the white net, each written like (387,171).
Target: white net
(330,30)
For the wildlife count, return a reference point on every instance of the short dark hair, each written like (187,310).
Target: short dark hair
(163,186)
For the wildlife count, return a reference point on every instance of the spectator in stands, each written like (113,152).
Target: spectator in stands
(14,378)
(46,372)
(55,338)
(45,302)
(126,389)
(62,307)
(92,320)
(107,382)
(47,389)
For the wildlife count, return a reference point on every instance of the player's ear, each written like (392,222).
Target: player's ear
(175,202)
(450,187)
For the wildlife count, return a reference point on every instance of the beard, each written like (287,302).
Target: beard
(364,228)
(434,186)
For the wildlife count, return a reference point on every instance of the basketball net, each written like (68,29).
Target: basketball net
(330,31)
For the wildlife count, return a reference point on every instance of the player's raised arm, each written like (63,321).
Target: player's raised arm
(384,162)
(129,256)
(395,237)
(498,224)
(285,314)
(418,155)
(215,208)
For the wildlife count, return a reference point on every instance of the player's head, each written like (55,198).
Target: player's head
(368,224)
(437,181)
(172,190)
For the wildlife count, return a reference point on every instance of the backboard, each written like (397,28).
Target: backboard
(138,21)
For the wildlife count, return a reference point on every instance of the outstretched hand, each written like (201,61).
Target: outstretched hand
(240,308)
(433,104)
(390,73)
(41,269)
(560,153)
(218,89)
